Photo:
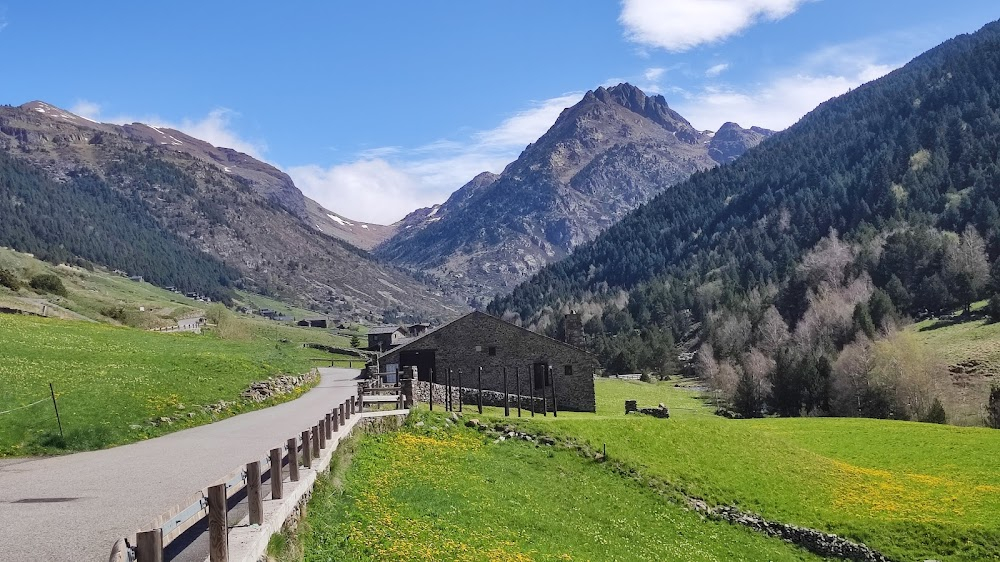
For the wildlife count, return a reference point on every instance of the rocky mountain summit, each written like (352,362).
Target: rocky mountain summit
(611,152)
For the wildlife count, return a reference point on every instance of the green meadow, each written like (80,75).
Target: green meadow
(438,492)
(110,381)
(912,491)
(111,375)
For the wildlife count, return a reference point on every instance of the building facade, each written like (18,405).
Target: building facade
(535,364)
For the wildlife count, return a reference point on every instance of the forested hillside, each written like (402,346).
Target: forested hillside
(86,219)
(181,212)
(879,203)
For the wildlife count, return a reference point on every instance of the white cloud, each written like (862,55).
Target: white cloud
(716,70)
(787,96)
(653,74)
(382,185)
(214,128)
(680,25)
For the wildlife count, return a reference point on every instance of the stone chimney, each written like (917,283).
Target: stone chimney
(573,329)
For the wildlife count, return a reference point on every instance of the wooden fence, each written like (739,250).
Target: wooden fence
(212,503)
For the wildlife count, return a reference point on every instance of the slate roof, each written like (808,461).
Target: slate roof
(384,330)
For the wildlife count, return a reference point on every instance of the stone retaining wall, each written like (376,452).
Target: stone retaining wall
(470,397)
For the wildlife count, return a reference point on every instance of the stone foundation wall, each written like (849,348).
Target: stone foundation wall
(470,397)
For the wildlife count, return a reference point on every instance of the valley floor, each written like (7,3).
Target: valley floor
(439,491)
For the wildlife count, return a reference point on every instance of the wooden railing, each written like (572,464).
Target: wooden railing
(212,503)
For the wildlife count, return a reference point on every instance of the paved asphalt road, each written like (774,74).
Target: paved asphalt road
(102,496)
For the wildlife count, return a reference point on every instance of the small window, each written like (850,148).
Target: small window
(493,351)
(568,371)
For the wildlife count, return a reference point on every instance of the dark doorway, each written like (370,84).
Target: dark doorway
(541,371)
(422,359)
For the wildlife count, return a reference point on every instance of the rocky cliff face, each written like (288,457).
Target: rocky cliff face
(603,157)
(239,209)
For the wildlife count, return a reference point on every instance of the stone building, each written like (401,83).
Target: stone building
(384,338)
(480,340)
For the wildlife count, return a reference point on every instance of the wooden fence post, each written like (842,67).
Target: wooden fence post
(506,395)
(354,402)
(276,474)
(293,460)
(430,390)
(149,546)
(255,499)
(322,434)
(315,442)
(306,451)
(329,426)
(460,389)
(336,421)
(341,412)
(218,524)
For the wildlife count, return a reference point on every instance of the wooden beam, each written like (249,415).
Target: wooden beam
(276,474)
(218,524)
(255,497)
(293,460)
(149,546)
(306,451)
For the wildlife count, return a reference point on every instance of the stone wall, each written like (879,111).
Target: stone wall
(470,397)
(480,340)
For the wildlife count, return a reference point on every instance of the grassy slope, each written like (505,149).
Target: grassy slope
(971,349)
(912,490)
(443,494)
(109,378)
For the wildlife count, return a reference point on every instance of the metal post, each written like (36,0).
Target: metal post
(293,460)
(306,452)
(276,475)
(531,389)
(430,386)
(460,390)
(448,405)
(149,546)
(255,499)
(555,405)
(218,524)
(56,406)
(480,390)
(506,395)
(517,377)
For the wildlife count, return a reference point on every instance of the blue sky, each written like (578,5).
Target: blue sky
(377,108)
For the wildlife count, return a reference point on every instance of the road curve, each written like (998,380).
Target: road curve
(97,497)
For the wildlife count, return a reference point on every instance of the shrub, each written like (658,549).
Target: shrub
(993,308)
(115,313)
(936,414)
(645,377)
(993,408)
(48,283)
(9,280)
